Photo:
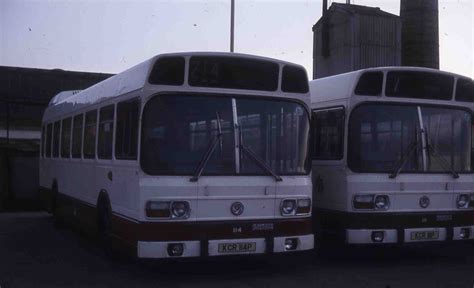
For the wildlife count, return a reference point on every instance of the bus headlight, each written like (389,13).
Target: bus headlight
(288,207)
(371,202)
(180,209)
(167,209)
(382,202)
(292,207)
(463,201)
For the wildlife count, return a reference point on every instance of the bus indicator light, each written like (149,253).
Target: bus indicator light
(378,236)
(175,249)
(465,233)
(158,209)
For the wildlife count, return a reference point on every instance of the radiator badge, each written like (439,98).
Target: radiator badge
(237,208)
(424,202)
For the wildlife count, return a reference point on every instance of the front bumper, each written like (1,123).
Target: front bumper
(394,236)
(202,239)
(159,249)
(398,228)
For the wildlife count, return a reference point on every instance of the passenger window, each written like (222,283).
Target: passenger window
(66,138)
(126,133)
(90,129)
(43,141)
(106,132)
(370,84)
(57,130)
(77,136)
(328,134)
(49,136)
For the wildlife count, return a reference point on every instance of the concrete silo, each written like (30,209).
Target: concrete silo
(420,33)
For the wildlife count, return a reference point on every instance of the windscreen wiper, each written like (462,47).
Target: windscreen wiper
(406,156)
(257,158)
(210,149)
(441,160)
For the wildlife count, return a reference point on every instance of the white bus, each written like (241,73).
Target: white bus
(393,158)
(185,155)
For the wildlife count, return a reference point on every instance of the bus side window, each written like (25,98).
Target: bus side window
(57,130)
(328,133)
(43,141)
(66,138)
(90,130)
(49,136)
(77,136)
(126,135)
(106,130)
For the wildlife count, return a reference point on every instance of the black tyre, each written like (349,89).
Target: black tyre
(104,230)
(58,219)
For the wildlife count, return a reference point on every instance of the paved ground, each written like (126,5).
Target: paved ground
(34,254)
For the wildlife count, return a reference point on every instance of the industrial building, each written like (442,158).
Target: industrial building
(24,94)
(351,37)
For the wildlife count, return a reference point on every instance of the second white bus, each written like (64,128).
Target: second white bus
(393,156)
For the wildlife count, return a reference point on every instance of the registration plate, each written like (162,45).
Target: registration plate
(237,247)
(424,235)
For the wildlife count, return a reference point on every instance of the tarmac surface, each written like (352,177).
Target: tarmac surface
(35,254)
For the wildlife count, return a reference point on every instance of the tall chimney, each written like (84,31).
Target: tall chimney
(420,33)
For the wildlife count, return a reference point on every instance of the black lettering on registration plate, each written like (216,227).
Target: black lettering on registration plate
(237,247)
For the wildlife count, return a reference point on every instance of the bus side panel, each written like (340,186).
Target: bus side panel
(329,187)
(123,192)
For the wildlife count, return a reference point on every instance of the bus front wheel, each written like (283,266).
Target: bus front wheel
(104,228)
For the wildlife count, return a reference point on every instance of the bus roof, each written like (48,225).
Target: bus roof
(132,79)
(341,87)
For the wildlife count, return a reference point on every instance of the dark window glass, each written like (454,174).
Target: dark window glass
(465,90)
(77,136)
(106,132)
(276,131)
(233,72)
(56,134)
(168,71)
(294,80)
(66,138)
(422,85)
(43,141)
(328,132)
(49,138)
(126,133)
(90,129)
(176,135)
(380,134)
(370,84)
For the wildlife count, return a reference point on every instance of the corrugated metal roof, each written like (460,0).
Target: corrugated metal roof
(363,10)
(355,9)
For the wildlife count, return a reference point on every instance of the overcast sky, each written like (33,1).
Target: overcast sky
(110,36)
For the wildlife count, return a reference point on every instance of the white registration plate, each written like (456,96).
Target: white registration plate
(424,235)
(237,247)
